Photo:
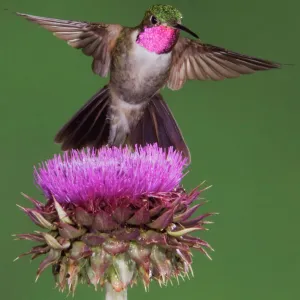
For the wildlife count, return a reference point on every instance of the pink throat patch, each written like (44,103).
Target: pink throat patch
(158,39)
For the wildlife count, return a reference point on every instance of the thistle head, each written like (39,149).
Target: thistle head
(101,177)
(113,216)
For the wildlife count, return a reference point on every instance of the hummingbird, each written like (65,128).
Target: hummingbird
(140,61)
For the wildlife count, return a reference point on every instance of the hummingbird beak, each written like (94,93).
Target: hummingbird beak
(183,28)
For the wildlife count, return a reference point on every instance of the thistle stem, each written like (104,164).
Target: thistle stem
(121,275)
(111,294)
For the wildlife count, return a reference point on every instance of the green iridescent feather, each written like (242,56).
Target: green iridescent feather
(165,13)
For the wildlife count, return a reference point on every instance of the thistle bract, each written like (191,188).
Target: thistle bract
(114,216)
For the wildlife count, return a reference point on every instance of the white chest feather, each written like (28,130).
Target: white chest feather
(149,63)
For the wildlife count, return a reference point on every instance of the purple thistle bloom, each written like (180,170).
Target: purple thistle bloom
(113,217)
(110,173)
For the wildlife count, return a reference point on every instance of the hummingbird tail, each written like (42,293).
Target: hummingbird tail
(158,125)
(89,126)
(92,127)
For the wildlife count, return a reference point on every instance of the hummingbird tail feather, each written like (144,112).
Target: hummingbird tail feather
(89,126)
(92,127)
(158,125)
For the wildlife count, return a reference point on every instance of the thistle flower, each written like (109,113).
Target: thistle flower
(114,216)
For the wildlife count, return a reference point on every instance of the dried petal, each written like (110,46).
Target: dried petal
(162,265)
(186,214)
(38,219)
(140,254)
(182,232)
(38,205)
(70,232)
(156,210)
(163,220)
(61,277)
(37,250)
(195,242)
(152,237)
(80,250)
(122,214)
(142,216)
(127,234)
(37,237)
(114,247)
(104,222)
(73,275)
(83,217)
(184,255)
(196,221)
(93,240)
(173,243)
(52,258)
(53,243)
(100,262)
(63,216)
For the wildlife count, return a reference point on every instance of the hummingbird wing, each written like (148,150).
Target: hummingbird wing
(95,39)
(195,60)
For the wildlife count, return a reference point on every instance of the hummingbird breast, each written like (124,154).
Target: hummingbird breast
(137,73)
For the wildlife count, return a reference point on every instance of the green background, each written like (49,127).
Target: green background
(243,135)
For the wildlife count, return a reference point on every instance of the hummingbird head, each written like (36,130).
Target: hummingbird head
(159,30)
(165,15)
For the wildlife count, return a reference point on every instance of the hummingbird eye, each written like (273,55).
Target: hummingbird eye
(153,20)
